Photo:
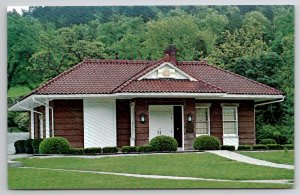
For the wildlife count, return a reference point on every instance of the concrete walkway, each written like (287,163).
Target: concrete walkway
(246,159)
(282,181)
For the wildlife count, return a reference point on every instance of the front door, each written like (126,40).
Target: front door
(160,120)
(178,124)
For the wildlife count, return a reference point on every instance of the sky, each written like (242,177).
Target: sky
(17,8)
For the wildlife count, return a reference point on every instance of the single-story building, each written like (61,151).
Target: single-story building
(100,103)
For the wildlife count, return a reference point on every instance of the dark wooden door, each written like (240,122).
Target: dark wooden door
(178,124)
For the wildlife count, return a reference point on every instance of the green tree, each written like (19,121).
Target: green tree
(22,43)
(180,31)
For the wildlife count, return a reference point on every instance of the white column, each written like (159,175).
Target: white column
(47,120)
(32,125)
(41,125)
(132,120)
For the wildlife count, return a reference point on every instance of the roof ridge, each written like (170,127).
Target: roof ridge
(153,65)
(118,60)
(59,76)
(235,74)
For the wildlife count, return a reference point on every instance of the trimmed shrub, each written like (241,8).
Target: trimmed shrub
(164,143)
(288,146)
(110,150)
(77,151)
(92,150)
(227,147)
(274,147)
(36,144)
(28,146)
(267,141)
(259,147)
(20,146)
(129,149)
(54,145)
(245,147)
(206,142)
(144,149)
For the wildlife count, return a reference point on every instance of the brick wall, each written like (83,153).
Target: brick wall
(142,129)
(245,120)
(68,121)
(123,122)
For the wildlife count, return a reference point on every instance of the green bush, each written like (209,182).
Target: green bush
(245,147)
(144,149)
(164,143)
(274,147)
(28,146)
(289,146)
(129,149)
(267,141)
(227,147)
(54,145)
(20,146)
(92,150)
(77,151)
(277,133)
(110,150)
(259,147)
(206,142)
(22,121)
(36,144)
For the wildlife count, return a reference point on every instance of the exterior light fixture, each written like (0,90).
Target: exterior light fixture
(143,117)
(189,118)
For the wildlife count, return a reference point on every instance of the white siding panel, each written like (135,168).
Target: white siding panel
(99,122)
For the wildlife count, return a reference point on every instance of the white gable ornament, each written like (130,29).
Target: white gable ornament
(167,70)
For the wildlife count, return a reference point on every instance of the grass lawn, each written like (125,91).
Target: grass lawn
(281,157)
(47,179)
(204,165)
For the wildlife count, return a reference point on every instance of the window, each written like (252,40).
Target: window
(230,124)
(202,124)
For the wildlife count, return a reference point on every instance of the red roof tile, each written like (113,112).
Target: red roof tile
(168,85)
(120,76)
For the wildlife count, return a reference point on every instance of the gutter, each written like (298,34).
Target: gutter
(52,114)
(271,102)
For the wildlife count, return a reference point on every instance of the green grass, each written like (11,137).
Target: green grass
(204,165)
(281,157)
(47,179)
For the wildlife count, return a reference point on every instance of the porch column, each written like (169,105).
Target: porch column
(132,122)
(47,120)
(41,116)
(31,124)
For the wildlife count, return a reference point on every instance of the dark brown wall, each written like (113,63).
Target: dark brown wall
(246,120)
(68,121)
(246,129)
(123,122)
(142,129)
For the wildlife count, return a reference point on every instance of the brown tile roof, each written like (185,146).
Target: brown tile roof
(120,76)
(170,85)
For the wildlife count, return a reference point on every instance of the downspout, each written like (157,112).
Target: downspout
(271,102)
(52,114)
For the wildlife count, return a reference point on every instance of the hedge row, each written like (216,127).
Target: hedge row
(266,147)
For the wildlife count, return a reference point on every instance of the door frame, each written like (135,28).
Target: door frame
(182,121)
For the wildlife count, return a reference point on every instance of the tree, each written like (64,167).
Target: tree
(62,49)
(179,30)
(22,43)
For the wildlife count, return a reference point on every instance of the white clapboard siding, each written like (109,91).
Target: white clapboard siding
(99,122)
(231,141)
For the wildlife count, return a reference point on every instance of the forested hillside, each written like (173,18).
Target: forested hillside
(254,41)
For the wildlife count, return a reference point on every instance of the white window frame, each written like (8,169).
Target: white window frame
(237,120)
(207,106)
